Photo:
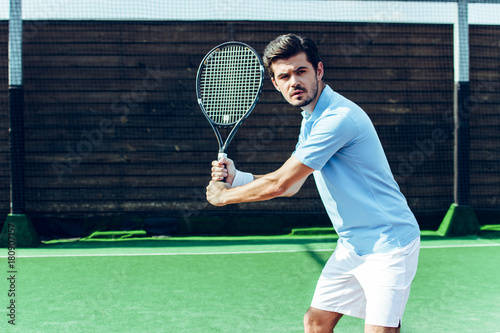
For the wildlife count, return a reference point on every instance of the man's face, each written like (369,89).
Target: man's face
(297,80)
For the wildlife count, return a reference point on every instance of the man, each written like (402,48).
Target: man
(369,274)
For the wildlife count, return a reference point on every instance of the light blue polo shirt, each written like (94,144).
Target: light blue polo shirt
(354,180)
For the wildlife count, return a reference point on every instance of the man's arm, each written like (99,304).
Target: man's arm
(286,181)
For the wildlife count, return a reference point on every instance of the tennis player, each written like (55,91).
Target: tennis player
(370,273)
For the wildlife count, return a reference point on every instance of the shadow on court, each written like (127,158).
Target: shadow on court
(189,242)
(314,255)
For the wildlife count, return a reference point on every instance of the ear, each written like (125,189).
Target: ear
(320,71)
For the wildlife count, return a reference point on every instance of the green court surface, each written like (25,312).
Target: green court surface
(233,284)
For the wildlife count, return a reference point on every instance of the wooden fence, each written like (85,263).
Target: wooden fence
(113,126)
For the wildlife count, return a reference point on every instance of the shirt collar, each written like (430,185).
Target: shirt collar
(321,105)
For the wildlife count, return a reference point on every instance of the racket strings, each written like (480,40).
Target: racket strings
(230,83)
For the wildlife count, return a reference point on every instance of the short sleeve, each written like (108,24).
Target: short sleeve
(328,134)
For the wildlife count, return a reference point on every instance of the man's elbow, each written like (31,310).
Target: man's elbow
(277,188)
(278,191)
(283,187)
(289,193)
(287,190)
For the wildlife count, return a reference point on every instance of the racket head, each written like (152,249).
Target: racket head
(229,82)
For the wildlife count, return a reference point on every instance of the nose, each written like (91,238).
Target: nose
(294,81)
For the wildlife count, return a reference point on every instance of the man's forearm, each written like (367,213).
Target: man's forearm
(264,187)
(285,181)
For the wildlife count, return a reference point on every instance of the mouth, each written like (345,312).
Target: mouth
(298,93)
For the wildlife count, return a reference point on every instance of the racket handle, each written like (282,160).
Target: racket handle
(221,155)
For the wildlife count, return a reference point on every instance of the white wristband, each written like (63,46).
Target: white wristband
(242,178)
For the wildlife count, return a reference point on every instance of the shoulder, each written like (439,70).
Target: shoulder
(342,106)
(331,102)
(338,109)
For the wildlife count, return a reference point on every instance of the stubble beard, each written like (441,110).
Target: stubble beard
(312,96)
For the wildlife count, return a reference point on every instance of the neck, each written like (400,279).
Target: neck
(309,108)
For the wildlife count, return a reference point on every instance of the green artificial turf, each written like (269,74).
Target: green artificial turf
(233,284)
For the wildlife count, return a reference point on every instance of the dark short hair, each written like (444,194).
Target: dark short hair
(287,46)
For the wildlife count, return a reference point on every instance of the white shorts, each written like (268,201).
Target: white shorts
(373,287)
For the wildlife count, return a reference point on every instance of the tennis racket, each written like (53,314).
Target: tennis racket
(228,86)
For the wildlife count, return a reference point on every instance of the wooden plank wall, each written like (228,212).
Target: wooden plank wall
(112,123)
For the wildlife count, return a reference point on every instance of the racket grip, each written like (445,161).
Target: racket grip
(221,155)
